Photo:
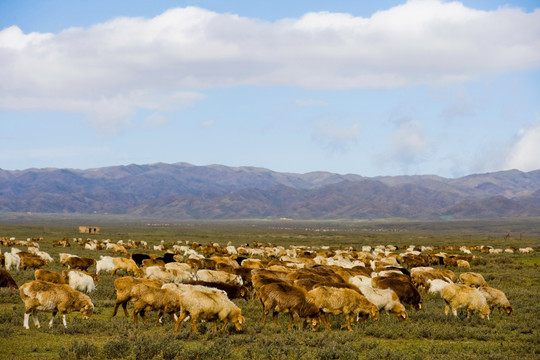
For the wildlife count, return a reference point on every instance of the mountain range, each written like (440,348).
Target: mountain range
(185,191)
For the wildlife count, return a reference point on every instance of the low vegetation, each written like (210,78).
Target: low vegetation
(426,334)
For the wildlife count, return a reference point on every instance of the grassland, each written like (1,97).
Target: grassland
(428,334)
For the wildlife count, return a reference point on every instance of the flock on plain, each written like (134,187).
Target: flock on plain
(195,282)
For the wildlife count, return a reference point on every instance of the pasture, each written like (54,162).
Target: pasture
(426,334)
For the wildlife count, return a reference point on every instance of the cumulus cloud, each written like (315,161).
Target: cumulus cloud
(523,154)
(186,50)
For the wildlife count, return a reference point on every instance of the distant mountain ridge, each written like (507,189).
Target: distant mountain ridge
(185,191)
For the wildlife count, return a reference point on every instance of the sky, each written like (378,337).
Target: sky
(420,87)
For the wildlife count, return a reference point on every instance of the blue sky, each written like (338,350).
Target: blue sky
(364,87)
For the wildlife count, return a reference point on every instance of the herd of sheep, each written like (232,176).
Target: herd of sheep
(199,282)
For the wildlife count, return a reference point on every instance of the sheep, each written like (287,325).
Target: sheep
(435,286)
(496,299)
(124,286)
(463,264)
(50,276)
(12,261)
(219,276)
(80,263)
(342,301)
(209,306)
(7,281)
(472,279)
(385,299)
(105,263)
(80,281)
(64,257)
(282,297)
(233,291)
(127,265)
(172,275)
(458,296)
(40,295)
(146,298)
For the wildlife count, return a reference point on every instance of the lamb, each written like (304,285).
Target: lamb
(282,297)
(473,279)
(56,298)
(80,281)
(209,306)
(458,296)
(127,265)
(342,301)
(496,299)
(385,299)
(146,298)
(124,286)
(50,276)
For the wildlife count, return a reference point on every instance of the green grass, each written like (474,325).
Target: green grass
(428,334)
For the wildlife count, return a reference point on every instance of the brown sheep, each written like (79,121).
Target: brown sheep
(127,265)
(124,286)
(496,299)
(50,276)
(146,298)
(233,291)
(281,297)
(7,281)
(80,263)
(204,305)
(342,301)
(405,290)
(57,298)
(31,261)
(458,296)
(472,279)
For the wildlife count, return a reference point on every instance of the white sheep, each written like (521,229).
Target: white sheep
(384,299)
(80,281)
(105,264)
(436,285)
(12,261)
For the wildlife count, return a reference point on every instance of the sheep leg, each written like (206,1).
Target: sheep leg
(64,320)
(181,318)
(446,309)
(194,324)
(326,321)
(143,315)
(289,325)
(52,319)
(276,318)
(225,322)
(25,322)
(158,319)
(347,323)
(35,318)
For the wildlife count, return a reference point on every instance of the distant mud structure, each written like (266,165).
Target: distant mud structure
(89,229)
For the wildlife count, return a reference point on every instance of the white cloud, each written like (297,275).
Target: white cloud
(184,50)
(524,152)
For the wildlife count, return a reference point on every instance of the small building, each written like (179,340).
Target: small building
(89,229)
